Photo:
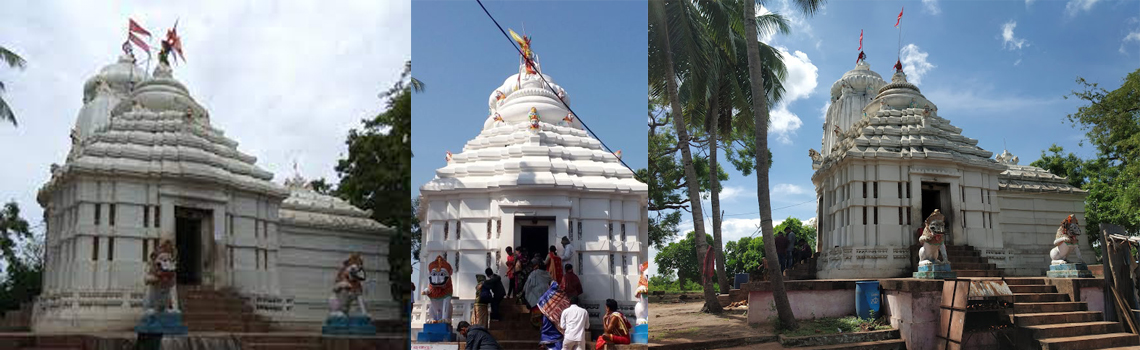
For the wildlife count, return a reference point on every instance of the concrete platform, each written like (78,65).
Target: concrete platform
(210,340)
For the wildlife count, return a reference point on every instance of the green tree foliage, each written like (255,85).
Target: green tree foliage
(681,258)
(744,255)
(1067,165)
(376,175)
(24,271)
(666,178)
(14,61)
(1111,122)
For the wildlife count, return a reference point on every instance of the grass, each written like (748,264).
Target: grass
(833,325)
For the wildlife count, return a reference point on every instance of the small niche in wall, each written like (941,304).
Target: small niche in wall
(489,229)
(610,227)
(612,270)
(579,230)
(446,230)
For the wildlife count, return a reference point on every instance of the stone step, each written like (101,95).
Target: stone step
(1039,297)
(978,273)
(528,333)
(892,344)
(956,259)
(1096,341)
(1073,329)
(1033,289)
(520,344)
(1063,306)
(973,266)
(1134,347)
(193,317)
(1025,320)
(1020,281)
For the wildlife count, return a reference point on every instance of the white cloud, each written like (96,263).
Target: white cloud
(285,80)
(823,110)
(728,193)
(788,189)
(1028,2)
(801,81)
(914,63)
(1074,7)
(800,26)
(1009,41)
(931,6)
(1134,35)
(1017,62)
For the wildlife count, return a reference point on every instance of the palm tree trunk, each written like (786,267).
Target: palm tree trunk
(711,303)
(760,111)
(714,193)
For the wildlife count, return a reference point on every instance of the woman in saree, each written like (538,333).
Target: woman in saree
(616,327)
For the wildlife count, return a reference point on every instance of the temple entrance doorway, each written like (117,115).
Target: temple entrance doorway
(536,239)
(937,196)
(189,224)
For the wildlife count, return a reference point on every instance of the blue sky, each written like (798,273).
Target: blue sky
(595,50)
(997,69)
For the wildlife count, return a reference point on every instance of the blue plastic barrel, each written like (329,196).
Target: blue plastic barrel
(867,299)
(741,278)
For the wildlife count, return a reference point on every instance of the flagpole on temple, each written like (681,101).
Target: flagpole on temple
(898,23)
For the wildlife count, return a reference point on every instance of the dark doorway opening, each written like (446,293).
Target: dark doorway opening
(937,196)
(188,239)
(536,239)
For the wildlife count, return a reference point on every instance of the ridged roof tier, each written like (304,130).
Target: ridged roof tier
(849,95)
(1027,178)
(901,123)
(306,207)
(554,151)
(160,131)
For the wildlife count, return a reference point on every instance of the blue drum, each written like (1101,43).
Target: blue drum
(867,299)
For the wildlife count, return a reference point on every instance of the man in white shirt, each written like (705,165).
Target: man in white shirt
(575,320)
(567,251)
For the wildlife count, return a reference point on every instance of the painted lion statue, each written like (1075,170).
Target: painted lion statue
(348,289)
(641,310)
(439,291)
(933,240)
(160,279)
(1066,242)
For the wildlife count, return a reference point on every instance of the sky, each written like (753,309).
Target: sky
(286,80)
(997,69)
(595,50)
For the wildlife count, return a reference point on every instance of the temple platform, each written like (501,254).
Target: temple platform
(203,340)
(912,304)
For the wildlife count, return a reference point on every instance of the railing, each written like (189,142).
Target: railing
(1119,275)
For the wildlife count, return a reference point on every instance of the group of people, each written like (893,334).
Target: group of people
(572,327)
(531,276)
(791,250)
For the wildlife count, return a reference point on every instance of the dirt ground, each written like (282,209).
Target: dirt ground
(683,323)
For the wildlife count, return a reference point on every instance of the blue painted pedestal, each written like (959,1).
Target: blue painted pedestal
(351,325)
(640,334)
(935,271)
(1077,270)
(161,323)
(435,332)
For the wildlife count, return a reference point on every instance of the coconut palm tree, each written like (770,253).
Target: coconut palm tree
(760,118)
(675,44)
(729,91)
(14,61)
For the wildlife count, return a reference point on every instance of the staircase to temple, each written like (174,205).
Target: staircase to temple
(1048,320)
(514,330)
(968,262)
(211,310)
(802,270)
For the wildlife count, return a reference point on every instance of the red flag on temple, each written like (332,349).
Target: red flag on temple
(175,41)
(860,40)
(136,28)
(900,17)
(898,66)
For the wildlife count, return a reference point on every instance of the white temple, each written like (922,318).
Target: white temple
(519,183)
(145,163)
(889,160)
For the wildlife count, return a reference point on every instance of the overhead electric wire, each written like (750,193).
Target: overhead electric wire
(549,86)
